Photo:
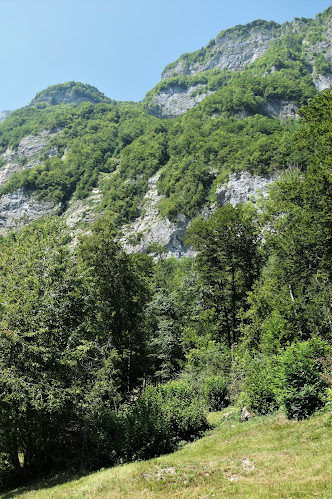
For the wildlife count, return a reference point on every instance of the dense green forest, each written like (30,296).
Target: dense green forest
(107,357)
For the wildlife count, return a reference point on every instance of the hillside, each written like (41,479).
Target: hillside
(263,458)
(77,153)
(111,349)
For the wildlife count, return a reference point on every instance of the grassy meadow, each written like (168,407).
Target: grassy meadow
(263,458)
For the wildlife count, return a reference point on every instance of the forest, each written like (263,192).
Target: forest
(108,357)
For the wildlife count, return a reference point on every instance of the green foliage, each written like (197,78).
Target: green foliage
(162,417)
(147,432)
(185,409)
(215,392)
(260,385)
(322,65)
(71,89)
(228,261)
(54,372)
(303,384)
(259,25)
(119,292)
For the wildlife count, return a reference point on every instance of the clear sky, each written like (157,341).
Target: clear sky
(120,47)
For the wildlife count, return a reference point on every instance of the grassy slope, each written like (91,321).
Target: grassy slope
(264,458)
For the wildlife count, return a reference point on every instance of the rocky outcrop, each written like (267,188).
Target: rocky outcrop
(234,49)
(55,98)
(176,100)
(3,115)
(71,92)
(323,82)
(280,108)
(26,155)
(17,209)
(242,187)
(229,51)
(83,211)
(151,229)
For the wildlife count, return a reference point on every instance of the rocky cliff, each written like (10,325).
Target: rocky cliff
(3,115)
(151,229)
(134,162)
(19,207)
(238,48)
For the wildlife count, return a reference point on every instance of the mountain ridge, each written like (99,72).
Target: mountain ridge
(97,155)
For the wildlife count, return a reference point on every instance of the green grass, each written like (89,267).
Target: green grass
(262,458)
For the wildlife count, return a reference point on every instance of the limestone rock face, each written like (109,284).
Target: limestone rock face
(243,186)
(3,115)
(55,98)
(323,82)
(17,209)
(176,100)
(235,49)
(280,108)
(82,211)
(229,52)
(150,228)
(26,155)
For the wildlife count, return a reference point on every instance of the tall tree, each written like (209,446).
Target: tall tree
(293,299)
(118,288)
(228,261)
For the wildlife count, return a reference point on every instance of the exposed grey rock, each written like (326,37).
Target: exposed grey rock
(176,100)
(83,210)
(28,150)
(31,145)
(246,414)
(3,115)
(230,52)
(234,50)
(280,108)
(17,209)
(55,98)
(243,186)
(323,82)
(8,170)
(150,228)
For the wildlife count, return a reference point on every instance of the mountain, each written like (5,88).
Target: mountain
(219,127)
(71,92)
(3,115)
(192,77)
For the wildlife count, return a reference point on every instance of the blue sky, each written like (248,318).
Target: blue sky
(119,47)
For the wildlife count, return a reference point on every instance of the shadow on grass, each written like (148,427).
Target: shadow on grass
(42,483)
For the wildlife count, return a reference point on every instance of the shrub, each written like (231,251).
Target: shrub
(160,418)
(215,393)
(184,409)
(146,427)
(303,386)
(260,386)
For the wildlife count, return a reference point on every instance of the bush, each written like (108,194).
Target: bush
(260,386)
(146,427)
(303,386)
(184,409)
(215,393)
(160,418)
